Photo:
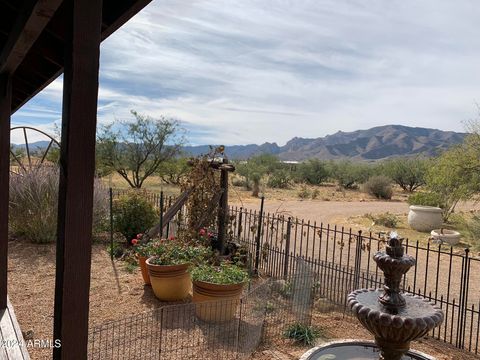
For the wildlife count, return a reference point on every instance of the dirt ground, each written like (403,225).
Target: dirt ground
(116,294)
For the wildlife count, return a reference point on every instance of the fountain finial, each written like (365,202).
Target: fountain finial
(394,264)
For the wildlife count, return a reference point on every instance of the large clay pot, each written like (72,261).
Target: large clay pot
(216,303)
(170,282)
(451,237)
(425,218)
(143,267)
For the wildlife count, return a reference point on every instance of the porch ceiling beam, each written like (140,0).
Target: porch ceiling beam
(30,22)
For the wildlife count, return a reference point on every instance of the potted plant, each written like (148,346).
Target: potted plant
(223,283)
(168,268)
(143,252)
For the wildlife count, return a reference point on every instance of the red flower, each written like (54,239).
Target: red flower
(139,236)
(171,237)
(202,232)
(134,241)
(210,235)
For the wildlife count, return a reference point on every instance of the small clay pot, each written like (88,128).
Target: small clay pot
(142,262)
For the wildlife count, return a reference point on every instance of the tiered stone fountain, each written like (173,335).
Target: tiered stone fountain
(393,318)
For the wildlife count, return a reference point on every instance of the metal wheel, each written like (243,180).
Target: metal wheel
(34,157)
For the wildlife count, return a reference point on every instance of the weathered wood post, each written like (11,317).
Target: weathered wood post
(259,235)
(83,24)
(223,208)
(5,111)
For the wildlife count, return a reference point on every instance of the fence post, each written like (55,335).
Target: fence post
(462,304)
(111,223)
(358,260)
(240,219)
(287,248)
(259,234)
(161,214)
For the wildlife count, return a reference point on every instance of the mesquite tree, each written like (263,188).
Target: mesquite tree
(135,150)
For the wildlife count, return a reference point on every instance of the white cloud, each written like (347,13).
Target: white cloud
(255,71)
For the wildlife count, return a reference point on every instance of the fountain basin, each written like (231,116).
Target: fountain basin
(354,350)
(413,321)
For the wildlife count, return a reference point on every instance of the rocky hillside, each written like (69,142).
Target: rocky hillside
(373,144)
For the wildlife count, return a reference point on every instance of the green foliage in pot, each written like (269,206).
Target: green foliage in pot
(171,252)
(225,274)
(133,214)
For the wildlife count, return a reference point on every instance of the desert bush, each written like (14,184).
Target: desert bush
(379,186)
(473,227)
(408,173)
(34,201)
(280,179)
(255,169)
(349,175)
(313,172)
(386,219)
(304,192)
(427,199)
(240,182)
(315,194)
(133,214)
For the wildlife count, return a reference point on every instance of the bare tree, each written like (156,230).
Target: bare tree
(135,150)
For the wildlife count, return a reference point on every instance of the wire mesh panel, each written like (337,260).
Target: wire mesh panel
(228,329)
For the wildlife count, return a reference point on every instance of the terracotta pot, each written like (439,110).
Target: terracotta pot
(170,282)
(143,267)
(425,218)
(216,303)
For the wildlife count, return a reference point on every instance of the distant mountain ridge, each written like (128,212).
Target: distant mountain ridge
(377,143)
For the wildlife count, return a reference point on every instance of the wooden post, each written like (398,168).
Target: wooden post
(5,111)
(223,209)
(77,166)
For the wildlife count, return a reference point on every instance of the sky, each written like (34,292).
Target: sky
(255,71)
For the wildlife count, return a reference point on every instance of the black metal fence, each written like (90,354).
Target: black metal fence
(342,261)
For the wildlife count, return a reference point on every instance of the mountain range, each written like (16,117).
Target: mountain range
(377,143)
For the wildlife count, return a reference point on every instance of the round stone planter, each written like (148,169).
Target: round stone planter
(451,237)
(169,282)
(216,303)
(425,218)
(142,262)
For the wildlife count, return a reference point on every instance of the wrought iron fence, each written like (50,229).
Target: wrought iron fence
(342,261)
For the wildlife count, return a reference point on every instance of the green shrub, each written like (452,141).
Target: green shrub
(34,201)
(315,194)
(313,172)
(408,173)
(349,174)
(473,227)
(133,214)
(223,274)
(426,199)
(379,186)
(303,334)
(280,179)
(387,219)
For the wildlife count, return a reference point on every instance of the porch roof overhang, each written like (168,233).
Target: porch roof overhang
(32,40)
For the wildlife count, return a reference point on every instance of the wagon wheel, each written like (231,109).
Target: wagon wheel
(34,158)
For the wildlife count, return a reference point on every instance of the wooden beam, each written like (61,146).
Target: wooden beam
(30,22)
(77,168)
(5,106)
